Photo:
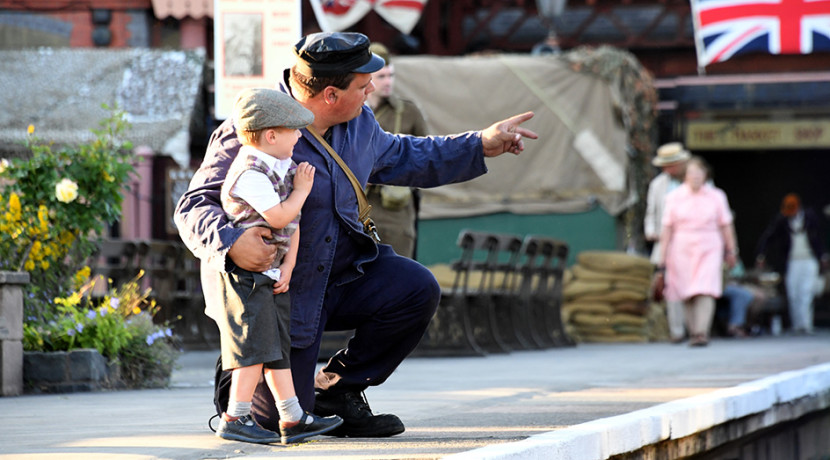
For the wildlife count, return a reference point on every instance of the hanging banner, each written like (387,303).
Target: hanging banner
(401,14)
(339,15)
(253,42)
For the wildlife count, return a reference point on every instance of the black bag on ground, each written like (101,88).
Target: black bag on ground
(221,388)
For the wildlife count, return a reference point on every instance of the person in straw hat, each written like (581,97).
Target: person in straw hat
(671,158)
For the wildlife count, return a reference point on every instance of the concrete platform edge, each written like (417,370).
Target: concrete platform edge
(603,438)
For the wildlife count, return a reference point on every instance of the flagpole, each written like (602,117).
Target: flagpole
(699,48)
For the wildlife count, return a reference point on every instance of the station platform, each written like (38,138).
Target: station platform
(582,402)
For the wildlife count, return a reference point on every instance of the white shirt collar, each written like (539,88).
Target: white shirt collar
(274,163)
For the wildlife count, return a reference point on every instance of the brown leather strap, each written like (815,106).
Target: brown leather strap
(364,208)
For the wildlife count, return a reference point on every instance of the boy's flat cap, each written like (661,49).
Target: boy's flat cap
(259,108)
(328,54)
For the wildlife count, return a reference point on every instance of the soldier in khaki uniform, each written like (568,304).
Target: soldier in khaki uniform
(394,208)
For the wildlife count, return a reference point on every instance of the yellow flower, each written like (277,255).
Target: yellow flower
(44,264)
(82,275)
(14,206)
(36,253)
(30,129)
(136,310)
(74,299)
(29,265)
(43,218)
(4,165)
(66,190)
(107,177)
(67,238)
(84,272)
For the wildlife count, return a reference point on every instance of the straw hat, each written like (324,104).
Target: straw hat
(671,153)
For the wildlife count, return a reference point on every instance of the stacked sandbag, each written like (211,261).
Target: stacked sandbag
(606,298)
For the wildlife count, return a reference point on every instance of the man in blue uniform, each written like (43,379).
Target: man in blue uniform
(343,279)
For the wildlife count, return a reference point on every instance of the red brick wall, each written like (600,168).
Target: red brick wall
(82,28)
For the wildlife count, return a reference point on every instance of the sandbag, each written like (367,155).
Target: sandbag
(581,318)
(616,262)
(596,308)
(619,295)
(583,273)
(588,331)
(631,307)
(616,338)
(626,319)
(577,288)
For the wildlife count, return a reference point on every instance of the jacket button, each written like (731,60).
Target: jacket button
(328,239)
(320,268)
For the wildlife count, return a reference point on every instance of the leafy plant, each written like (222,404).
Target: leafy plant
(56,202)
(118,323)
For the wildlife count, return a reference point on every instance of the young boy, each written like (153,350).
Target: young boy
(254,329)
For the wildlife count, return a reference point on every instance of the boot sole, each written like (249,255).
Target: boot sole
(346,432)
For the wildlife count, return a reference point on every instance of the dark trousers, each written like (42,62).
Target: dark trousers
(389,307)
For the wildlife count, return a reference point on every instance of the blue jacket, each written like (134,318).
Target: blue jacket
(372,154)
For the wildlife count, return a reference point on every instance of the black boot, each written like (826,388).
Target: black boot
(358,419)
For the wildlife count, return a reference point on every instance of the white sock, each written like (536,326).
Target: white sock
(238,408)
(290,410)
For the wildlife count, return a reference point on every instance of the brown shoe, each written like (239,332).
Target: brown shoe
(698,341)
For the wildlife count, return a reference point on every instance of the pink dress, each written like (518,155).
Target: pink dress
(694,257)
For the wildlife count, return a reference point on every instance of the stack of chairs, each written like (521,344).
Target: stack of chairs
(505,294)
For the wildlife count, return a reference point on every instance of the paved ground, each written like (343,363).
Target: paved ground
(449,405)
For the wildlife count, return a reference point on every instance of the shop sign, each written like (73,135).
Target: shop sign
(738,135)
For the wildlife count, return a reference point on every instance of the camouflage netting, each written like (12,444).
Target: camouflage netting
(61,92)
(633,87)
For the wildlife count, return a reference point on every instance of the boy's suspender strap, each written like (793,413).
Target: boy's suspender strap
(364,208)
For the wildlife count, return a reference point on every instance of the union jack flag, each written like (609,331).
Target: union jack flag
(725,28)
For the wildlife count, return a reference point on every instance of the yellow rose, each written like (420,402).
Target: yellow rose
(66,190)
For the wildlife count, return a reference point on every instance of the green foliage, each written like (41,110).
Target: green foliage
(56,202)
(118,323)
(149,357)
